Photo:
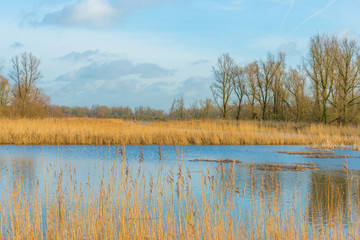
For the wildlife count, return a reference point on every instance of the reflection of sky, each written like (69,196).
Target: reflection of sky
(91,160)
(86,158)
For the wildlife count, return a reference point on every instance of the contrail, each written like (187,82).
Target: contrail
(315,14)
(287,13)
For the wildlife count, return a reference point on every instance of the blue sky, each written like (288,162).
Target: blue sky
(147,52)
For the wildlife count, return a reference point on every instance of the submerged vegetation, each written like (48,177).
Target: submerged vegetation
(325,153)
(281,167)
(326,156)
(220,161)
(263,166)
(302,153)
(67,131)
(167,204)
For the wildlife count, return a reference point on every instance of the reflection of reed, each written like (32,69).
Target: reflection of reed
(329,193)
(23,167)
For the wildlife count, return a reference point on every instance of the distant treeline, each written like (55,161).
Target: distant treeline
(197,110)
(325,87)
(140,113)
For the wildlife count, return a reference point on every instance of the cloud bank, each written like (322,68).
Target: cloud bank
(120,82)
(115,69)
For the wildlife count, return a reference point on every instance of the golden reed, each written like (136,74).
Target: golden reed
(68,131)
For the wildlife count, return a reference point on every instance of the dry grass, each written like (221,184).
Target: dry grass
(80,131)
(123,205)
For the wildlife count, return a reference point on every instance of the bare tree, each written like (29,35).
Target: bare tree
(319,67)
(265,76)
(346,92)
(177,110)
(250,86)
(172,109)
(224,74)
(37,104)
(239,88)
(194,110)
(279,94)
(4,91)
(295,84)
(24,73)
(180,108)
(207,109)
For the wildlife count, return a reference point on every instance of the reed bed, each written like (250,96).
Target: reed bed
(127,204)
(85,131)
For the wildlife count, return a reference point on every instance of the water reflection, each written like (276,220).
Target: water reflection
(332,194)
(323,193)
(19,167)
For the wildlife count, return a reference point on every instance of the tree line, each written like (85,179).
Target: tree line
(325,87)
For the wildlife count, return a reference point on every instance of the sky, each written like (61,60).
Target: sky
(148,52)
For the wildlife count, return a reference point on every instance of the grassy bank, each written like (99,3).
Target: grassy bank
(66,131)
(125,204)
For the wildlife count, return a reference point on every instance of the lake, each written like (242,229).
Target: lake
(91,163)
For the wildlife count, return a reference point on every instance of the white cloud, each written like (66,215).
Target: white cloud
(97,12)
(94,12)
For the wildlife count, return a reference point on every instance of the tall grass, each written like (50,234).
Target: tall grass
(125,204)
(117,132)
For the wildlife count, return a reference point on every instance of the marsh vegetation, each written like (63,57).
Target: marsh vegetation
(82,131)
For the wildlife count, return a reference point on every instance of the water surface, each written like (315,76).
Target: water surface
(33,163)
